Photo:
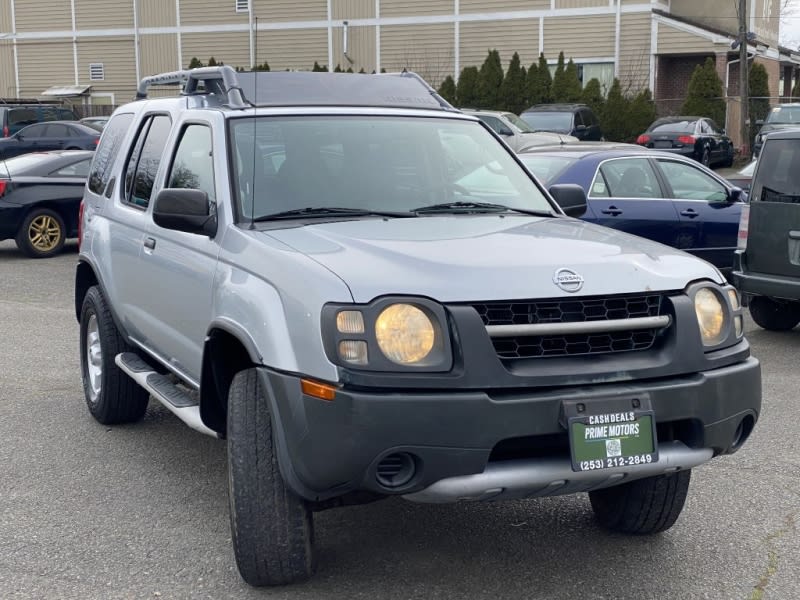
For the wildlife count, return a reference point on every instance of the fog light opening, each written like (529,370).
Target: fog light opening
(743,431)
(396,470)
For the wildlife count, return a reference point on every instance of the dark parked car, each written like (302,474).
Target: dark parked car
(767,268)
(14,117)
(40,194)
(570,119)
(57,135)
(695,137)
(783,116)
(659,196)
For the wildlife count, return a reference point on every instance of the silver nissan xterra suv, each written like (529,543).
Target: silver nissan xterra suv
(365,293)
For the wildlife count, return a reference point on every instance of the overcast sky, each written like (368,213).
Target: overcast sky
(790,25)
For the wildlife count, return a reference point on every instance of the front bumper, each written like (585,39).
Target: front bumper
(327,449)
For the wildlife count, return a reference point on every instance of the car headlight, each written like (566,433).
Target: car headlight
(404,333)
(388,334)
(710,316)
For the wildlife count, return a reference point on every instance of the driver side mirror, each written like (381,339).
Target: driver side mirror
(580,128)
(735,194)
(570,197)
(760,122)
(19,137)
(184,210)
(505,131)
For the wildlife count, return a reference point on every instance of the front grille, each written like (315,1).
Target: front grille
(572,310)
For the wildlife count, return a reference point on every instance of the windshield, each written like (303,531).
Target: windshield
(19,164)
(784,115)
(381,164)
(778,176)
(518,123)
(673,127)
(548,121)
(546,168)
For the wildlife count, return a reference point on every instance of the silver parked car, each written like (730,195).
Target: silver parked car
(517,133)
(367,295)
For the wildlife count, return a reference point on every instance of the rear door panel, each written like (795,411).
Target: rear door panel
(773,241)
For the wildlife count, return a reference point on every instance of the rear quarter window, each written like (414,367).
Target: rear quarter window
(110,143)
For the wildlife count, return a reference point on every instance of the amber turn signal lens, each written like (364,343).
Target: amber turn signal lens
(314,389)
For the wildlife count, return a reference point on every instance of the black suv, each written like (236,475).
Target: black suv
(570,119)
(767,261)
(14,117)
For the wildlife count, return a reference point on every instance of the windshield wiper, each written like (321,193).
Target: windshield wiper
(476,207)
(328,211)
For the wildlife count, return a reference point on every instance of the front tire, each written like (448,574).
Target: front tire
(42,233)
(705,159)
(112,396)
(272,528)
(774,315)
(644,506)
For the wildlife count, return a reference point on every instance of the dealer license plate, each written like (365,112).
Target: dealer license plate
(612,439)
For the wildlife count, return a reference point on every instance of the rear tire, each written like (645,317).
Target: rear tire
(42,233)
(112,396)
(644,506)
(774,315)
(271,527)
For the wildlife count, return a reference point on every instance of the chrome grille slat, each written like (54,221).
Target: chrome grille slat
(573,326)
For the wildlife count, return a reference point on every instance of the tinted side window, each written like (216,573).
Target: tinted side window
(21,116)
(77,169)
(65,115)
(34,131)
(106,152)
(193,165)
(579,118)
(631,178)
(58,130)
(141,183)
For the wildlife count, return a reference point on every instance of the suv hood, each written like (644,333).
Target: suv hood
(489,257)
(545,138)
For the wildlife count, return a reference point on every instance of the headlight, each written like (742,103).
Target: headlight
(389,334)
(710,316)
(405,334)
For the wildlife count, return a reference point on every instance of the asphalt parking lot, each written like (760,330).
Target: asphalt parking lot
(88,511)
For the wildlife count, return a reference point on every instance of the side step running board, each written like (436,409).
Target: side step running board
(181,404)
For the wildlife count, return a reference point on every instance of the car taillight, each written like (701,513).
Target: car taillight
(5,131)
(3,184)
(96,141)
(744,226)
(643,139)
(80,224)
(686,139)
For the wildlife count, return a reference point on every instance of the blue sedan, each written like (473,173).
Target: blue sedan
(656,195)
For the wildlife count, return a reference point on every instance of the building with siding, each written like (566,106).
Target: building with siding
(98,49)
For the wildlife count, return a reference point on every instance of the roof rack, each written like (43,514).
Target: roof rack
(11,101)
(220,80)
(286,88)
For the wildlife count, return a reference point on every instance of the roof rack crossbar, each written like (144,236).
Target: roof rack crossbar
(220,80)
(442,102)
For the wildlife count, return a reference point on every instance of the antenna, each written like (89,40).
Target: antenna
(255,130)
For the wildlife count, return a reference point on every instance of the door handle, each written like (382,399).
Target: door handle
(150,243)
(611,210)
(690,212)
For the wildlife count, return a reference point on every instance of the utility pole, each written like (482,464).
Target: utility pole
(743,80)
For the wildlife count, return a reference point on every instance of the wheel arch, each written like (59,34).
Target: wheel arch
(85,277)
(228,349)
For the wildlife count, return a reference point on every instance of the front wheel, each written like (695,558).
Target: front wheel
(644,506)
(272,528)
(774,315)
(706,158)
(42,233)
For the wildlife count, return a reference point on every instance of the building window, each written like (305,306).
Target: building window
(242,5)
(603,72)
(97,72)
